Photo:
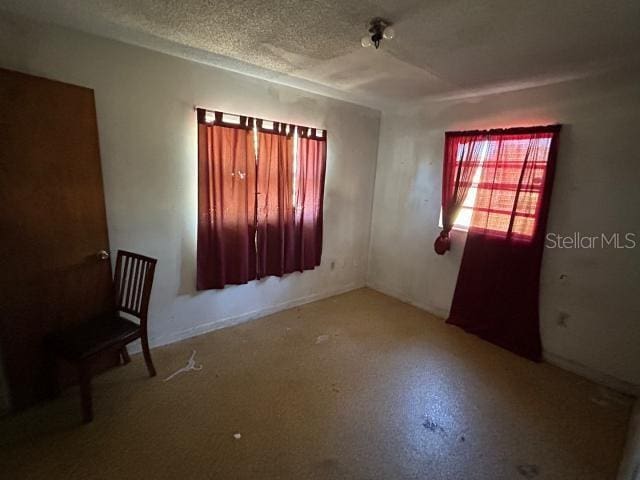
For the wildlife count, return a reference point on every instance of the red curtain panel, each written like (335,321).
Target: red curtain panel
(275,223)
(309,195)
(462,157)
(497,291)
(226,203)
(259,211)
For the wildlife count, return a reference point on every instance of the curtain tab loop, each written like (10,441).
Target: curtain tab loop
(202,115)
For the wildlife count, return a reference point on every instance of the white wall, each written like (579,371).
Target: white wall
(597,189)
(147,131)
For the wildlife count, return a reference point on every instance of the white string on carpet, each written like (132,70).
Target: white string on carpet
(191,366)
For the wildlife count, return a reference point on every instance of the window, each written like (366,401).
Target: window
(493,180)
(511,181)
(230,118)
(260,198)
(463,218)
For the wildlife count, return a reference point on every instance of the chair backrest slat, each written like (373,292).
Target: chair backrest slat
(134,289)
(133,281)
(141,280)
(123,277)
(130,281)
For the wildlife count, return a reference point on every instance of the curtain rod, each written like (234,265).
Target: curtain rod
(510,130)
(196,107)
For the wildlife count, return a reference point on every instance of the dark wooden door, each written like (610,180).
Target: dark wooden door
(52,223)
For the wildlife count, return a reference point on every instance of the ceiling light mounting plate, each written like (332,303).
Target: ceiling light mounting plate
(378,28)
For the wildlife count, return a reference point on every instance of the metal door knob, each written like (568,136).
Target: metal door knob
(103,255)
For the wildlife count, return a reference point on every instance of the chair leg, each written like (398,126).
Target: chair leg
(85,392)
(125,355)
(147,356)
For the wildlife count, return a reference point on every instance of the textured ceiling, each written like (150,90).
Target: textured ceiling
(442,49)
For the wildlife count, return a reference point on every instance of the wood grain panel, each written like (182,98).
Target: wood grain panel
(52,222)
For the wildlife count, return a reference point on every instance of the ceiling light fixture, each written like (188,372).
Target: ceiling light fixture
(379,28)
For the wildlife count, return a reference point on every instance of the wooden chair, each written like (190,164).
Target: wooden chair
(80,344)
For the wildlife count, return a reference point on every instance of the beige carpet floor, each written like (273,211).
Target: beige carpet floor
(358,386)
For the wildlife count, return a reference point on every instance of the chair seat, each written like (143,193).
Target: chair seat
(88,338)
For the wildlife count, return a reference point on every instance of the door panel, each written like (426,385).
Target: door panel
(52,222)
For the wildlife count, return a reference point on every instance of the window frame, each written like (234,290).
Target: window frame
(470,199)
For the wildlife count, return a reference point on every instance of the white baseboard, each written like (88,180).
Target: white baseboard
(556,360)
(433,310)
(589,373)
(245,317)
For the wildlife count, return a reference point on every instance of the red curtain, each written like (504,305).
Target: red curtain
(257,215)
(226,203)
(275,223)
(312,153)
(462,156)
(497,291)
